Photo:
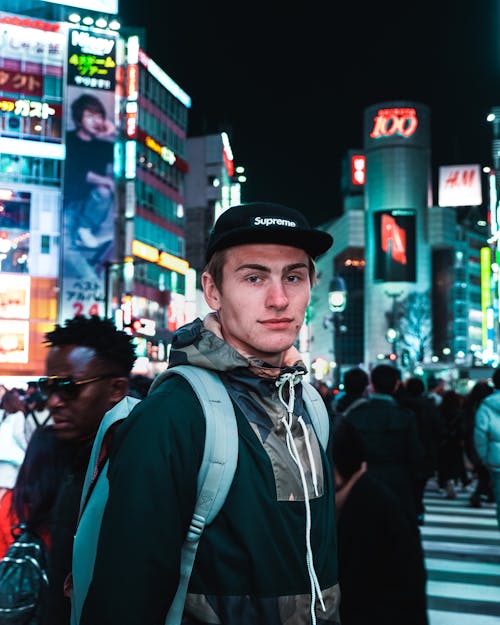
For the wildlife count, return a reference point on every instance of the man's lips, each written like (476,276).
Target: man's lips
(277,324)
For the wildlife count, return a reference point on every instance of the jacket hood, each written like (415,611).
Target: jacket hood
(200,343)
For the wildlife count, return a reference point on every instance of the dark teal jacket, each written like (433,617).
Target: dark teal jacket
(251,562)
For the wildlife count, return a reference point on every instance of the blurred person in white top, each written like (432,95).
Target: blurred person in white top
(12,439)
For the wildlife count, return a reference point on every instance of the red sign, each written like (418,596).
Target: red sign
(21,82)
(397,121)
(28,22)
(358,169)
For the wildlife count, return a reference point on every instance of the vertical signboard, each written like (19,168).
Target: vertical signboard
(89,188)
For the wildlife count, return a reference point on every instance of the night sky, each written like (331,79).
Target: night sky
(290,83)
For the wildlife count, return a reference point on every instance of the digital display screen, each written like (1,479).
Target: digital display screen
(395,251)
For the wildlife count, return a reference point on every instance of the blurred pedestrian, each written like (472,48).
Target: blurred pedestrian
(487,437)
(381,566)
(88,366)
(139,385)
(31,500)
(389,432)
(451,464)
(471,403)
(13,440)
(37,414)
(411,395)
(435,389)
(356,383)
(326,393)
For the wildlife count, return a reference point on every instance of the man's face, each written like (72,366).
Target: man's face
(92,123)
(265,293)
(78,418)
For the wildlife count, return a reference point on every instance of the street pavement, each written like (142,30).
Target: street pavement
(462,556)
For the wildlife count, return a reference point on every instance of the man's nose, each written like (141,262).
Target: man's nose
(277,296)
(53,399)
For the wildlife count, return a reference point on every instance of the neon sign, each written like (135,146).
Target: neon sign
(165,152)
(397,121)
(27,108)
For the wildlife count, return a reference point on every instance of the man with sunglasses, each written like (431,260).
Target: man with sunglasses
(88,367)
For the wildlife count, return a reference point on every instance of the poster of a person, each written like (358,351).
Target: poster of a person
(89,188)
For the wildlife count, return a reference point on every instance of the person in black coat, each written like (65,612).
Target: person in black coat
(381,565)
(389,432)
(411,395)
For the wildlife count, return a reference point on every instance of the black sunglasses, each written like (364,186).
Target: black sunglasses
(67,387)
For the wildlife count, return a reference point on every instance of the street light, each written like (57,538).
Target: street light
(337,300)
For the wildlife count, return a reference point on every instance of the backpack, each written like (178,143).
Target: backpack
(214,478)
(23,580)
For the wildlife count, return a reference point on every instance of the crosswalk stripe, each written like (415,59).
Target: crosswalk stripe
(462,557)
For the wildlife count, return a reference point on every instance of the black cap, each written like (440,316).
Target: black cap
(265,222)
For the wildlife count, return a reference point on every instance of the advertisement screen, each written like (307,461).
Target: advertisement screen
(14,230)
(395,257)
(89,186)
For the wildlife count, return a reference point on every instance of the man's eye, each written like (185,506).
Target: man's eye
(294,278)
(253,279)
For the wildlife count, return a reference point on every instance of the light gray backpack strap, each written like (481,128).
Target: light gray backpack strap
(317,412)
(91,511)
(216,472)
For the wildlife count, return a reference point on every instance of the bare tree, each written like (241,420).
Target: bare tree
(415,325)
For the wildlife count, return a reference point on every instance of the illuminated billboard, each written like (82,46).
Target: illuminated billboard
(395,246)
(460,185)
(14,340)
(14,230)
(101,6)
(89,208)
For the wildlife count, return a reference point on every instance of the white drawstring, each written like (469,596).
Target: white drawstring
(293,379)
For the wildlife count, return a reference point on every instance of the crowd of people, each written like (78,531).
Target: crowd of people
(310,531)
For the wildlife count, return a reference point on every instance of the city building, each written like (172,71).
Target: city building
(92,176)
(212,186)
(417,274)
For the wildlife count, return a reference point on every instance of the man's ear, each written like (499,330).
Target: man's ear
(118,390)
(210,291)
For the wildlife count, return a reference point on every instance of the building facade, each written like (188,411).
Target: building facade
(413,270)
(92,180)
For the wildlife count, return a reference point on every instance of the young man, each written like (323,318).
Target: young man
(88,367)
(270,555)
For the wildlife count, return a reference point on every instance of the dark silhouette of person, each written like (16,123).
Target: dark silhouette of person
(356,383)
(451,465)
(389,432)
(381,566)
(411,395)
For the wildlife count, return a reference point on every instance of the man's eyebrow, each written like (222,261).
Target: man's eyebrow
(258,267)
(255,266)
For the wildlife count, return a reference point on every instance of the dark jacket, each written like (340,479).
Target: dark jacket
(429,428)
(394,452)
(57,607)
(381,566)
(251,562)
